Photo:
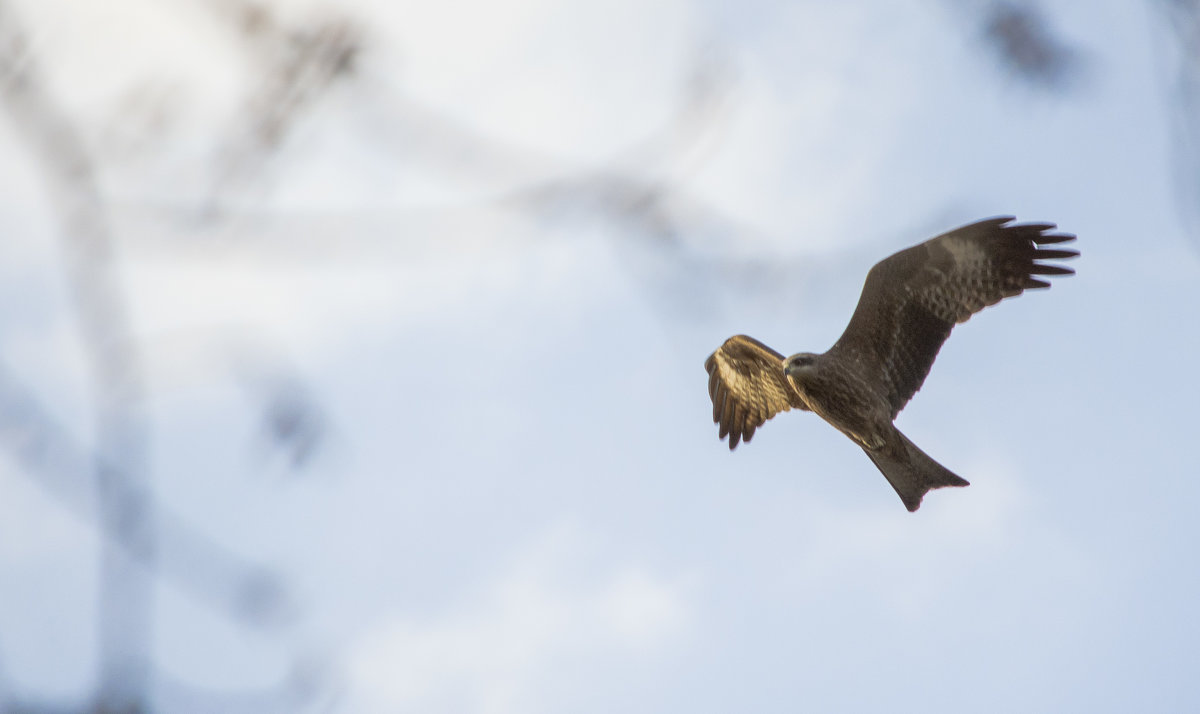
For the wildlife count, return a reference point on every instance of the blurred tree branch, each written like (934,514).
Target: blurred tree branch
(119,467)
(139,534)
(1182,18)
(164,545)
(1024,44)
(1028,48)
(294,66)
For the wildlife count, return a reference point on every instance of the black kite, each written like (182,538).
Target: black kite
(909,304)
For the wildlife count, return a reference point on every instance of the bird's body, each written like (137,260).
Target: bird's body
(840,393)
(909,305)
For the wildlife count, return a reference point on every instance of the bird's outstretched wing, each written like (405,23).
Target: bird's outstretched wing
(747,386)
(911,300)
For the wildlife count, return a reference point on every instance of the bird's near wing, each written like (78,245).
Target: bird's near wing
(913,299)
(747,386)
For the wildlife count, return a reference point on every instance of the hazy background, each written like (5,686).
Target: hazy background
(351,356)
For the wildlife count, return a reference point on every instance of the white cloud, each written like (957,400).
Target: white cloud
(922,558)
(490,654)
(580,78)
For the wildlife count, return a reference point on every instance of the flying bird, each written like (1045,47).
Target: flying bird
(909,304)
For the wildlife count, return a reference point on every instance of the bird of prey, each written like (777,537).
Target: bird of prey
(909,304)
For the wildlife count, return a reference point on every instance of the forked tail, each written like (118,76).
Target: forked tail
(911,471)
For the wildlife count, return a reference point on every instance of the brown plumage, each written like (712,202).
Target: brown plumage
(909,304)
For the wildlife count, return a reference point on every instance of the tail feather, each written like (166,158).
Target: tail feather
(911,471)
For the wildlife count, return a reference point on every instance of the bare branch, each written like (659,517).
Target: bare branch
(296,67)
(87,246)
(1025,46)
(162,543)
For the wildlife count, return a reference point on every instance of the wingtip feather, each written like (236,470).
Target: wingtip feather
(1054,254)
(1052,238)
(1039,269)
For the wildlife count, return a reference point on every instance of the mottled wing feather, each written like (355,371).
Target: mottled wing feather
(747,386)
(912,300)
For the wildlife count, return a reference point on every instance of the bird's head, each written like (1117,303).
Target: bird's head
(799,365)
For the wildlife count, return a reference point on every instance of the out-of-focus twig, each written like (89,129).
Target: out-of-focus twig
(295,65)
(1023,43)
(119,467)
(639,188)
(163,543)
(1026,46)
(1182,18)
(110,485)
(294,423)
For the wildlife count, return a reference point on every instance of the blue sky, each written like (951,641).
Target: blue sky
(523,505)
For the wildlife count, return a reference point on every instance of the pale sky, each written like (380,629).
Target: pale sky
(523,506)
